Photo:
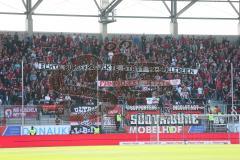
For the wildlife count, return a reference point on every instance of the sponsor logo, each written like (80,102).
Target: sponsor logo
(47,130)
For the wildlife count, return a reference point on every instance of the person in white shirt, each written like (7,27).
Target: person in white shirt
(179,90)
(47,98)
(174,61)
(67,98)
(200,92)
(110,55)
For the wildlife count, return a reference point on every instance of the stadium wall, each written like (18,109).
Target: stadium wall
(107,139)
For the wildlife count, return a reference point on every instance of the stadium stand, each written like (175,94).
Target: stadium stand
(210,56)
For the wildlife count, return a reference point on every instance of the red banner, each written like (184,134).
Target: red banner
(111,111)
(52,109)
(129,83)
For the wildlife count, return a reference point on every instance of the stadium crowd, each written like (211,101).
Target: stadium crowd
(212,57)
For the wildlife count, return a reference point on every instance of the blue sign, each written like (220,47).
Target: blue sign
(197,129)
(12,131)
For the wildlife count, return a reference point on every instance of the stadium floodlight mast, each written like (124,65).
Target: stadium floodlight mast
(105,8)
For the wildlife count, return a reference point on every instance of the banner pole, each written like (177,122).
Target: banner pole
(158,130)
(22,99)
(100,115)
(98,109)
(232,85)
(158,127)
(239,129)
(137,128)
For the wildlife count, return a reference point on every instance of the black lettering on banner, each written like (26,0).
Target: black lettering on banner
(175,70)
(116,68)
(156,69)
(112,67)
(180,70)
(81,129)
(191,71)
(55,66)
(42,66)
(52,66)
(170,69)
(124,68)
(151,69)
(166,69)
(85,67)
(68,68)
(133,68)
(107,67)
(47,66)
(139,68)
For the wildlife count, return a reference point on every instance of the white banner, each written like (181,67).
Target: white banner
(187,107)
(152,100)
(47,129)
(141,108)
(111,67)
(108,121)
